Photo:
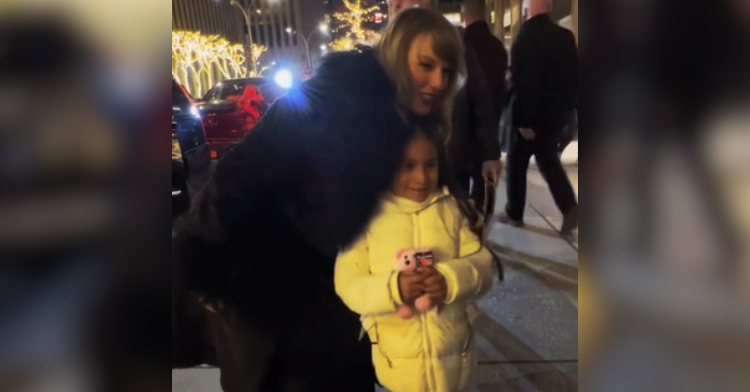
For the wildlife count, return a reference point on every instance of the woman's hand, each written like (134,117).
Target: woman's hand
(410,286)
(435,285)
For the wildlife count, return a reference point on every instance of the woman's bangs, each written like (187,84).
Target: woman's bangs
(447,48)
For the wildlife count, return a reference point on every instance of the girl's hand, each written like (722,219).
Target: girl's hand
(435,285)
(410,286)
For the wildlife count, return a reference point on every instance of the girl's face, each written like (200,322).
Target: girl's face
(429,74)
(419,176)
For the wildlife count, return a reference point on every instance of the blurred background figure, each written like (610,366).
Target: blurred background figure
(490,51)
(82,144)
(59,156)
(544,68)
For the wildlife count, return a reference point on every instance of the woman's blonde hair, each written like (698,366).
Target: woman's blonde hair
(393,53)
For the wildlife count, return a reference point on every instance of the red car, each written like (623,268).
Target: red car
(231,109)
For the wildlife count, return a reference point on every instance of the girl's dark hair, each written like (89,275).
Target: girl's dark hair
(430,131)
(448,179)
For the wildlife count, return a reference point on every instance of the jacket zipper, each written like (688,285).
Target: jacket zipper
(423,319)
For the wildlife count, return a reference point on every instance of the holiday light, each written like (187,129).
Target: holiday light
(351,22)
(200,61)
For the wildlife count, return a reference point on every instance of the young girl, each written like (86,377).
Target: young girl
(433,351)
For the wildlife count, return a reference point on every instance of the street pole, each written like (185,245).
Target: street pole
(248,24)
(306,41)
(307,49)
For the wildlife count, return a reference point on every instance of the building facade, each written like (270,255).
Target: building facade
(273,24)
(209,17)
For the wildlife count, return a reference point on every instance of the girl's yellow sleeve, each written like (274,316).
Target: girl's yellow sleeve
(472,274)
(364,293)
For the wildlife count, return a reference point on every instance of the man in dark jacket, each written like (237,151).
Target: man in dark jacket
(475,142)
(545,77)
(490,51)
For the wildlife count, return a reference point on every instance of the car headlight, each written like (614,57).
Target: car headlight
(195,112)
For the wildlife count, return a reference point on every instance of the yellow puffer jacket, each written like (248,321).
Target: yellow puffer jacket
(433,352)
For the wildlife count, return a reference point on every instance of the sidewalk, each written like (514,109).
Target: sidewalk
(531,319)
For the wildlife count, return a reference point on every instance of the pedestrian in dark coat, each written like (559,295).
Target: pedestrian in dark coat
(260,243)
(544,67)
(490,51)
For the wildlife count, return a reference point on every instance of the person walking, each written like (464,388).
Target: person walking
(490,51)
(474,146)
(260,242)
(544,67)
(433,350)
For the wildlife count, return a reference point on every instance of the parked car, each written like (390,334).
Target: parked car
(225,122)
(191,157)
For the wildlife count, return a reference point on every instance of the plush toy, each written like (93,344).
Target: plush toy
(415,260)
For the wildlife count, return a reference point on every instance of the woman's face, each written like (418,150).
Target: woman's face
(430,75)
(419,176)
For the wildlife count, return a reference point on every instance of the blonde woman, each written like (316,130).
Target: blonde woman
(259,244)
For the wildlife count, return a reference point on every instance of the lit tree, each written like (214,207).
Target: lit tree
(352,22)
(200,60)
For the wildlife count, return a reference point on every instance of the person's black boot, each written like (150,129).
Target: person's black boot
(570,222)
(506,219)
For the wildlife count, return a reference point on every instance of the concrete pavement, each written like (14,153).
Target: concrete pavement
(528,329)
(528,333)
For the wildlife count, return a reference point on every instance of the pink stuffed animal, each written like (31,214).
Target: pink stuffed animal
(414,260)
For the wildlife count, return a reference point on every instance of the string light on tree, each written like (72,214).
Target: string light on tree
(352,24)
(201,60)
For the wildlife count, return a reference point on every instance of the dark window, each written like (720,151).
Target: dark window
(179,98)
(259,35)
(230,91)
(213,94)
(233,90)
(280,33)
